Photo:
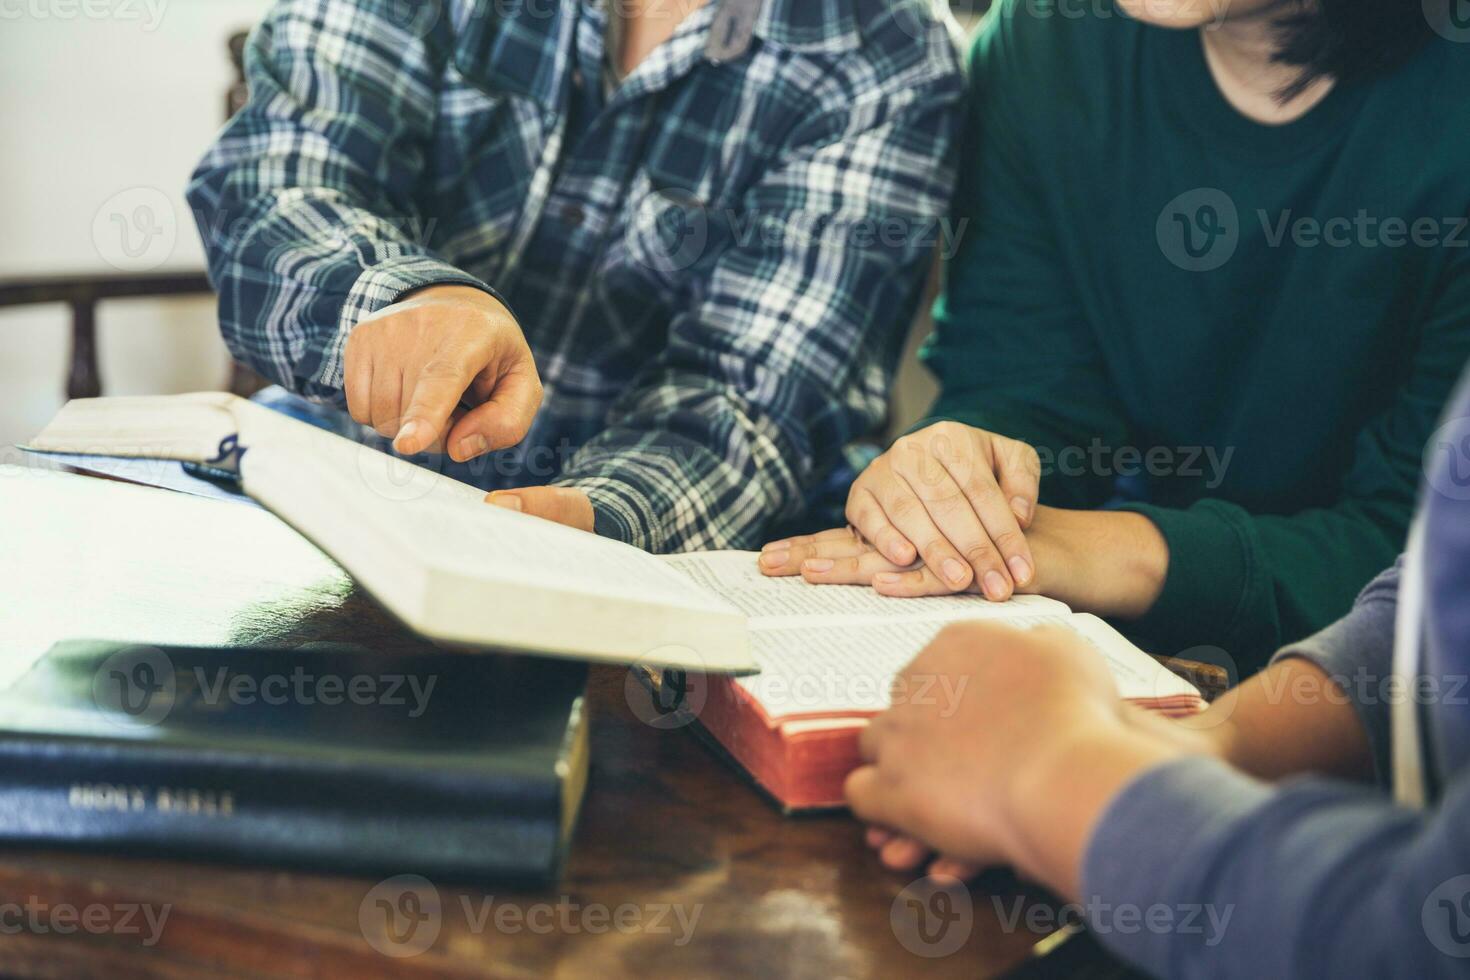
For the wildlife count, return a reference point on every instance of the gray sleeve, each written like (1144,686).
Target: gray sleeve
(1357,652)
(1198,871)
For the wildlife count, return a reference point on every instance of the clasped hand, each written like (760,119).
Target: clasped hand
(953,509)
(959,499)
(946,509)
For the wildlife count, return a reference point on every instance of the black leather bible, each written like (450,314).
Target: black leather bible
(467,768)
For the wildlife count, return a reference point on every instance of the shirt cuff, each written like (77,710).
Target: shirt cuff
(383,285)
(1207,593)
(1155,846)
(620,511)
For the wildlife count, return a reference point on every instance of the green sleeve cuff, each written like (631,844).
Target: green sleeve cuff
(1214,593)
(936,416)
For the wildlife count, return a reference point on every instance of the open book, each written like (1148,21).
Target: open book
(466,574)
(451,567)
(829,657)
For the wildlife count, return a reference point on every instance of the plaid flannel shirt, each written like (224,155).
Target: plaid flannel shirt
(713,264)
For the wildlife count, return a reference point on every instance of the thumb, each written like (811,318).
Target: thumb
(504,418)
(563,505)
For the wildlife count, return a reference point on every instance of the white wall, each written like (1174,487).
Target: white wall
(105,105)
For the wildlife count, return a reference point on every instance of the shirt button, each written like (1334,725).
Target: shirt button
(577,77)
(573,216)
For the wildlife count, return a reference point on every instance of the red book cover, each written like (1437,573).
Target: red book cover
(800,761)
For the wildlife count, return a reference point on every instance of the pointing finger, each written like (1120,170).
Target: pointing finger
(436,394)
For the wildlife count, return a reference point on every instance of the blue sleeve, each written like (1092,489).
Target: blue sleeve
(1199,871)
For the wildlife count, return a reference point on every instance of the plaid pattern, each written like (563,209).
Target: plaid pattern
(713,265)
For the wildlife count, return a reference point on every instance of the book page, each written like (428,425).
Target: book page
(1137,674)
(817,670)
(785,602)
(828,670)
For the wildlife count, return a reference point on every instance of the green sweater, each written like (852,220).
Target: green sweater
(1266,383)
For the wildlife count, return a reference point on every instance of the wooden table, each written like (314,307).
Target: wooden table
(680,869)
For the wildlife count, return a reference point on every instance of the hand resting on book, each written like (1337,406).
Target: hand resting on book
(957,498)
(1110,563)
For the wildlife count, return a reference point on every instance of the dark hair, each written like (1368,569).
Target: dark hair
(1350,39)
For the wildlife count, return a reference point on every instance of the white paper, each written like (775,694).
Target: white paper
(775,602)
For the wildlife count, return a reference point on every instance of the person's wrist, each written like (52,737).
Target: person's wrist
(455,291)
(1028,800)
(496,314)
(1051,552)
(464,295)
(1048,830)
(1144,556)
(1030,777)
(1212,732)
(621,510)
(1111,563)
(1220,738)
